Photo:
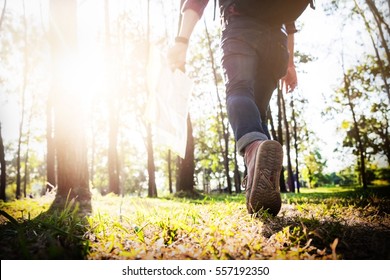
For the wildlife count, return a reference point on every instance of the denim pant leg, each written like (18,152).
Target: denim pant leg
(254,57)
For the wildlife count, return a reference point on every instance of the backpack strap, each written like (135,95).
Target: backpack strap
(225,4)
(215,8)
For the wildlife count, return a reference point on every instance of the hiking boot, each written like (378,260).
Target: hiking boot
(264,163)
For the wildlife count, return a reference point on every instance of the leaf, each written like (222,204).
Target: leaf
(345,124)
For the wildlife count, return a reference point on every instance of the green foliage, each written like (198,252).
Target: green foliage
(366,125)
(362,102)
(313,170)
(378,176)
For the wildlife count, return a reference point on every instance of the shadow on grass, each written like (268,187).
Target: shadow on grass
(355,242)
(55,234)
(369,238)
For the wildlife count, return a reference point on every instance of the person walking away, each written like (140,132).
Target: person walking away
(255,56)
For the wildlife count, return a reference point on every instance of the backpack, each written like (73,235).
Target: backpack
(274,12)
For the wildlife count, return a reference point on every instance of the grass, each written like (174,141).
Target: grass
(325,223)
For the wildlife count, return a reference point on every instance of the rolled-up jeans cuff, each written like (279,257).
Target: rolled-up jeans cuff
(249,138)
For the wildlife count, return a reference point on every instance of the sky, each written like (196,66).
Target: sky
(322,37)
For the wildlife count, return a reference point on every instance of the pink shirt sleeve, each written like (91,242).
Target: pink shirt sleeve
(290,27)
(197,5)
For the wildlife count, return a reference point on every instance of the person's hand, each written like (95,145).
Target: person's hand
(177,56)
(290,80)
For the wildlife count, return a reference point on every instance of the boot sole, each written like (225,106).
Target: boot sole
(265,191)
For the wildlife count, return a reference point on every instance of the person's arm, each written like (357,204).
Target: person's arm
(290,80)
(178,52)
(192,11)
(189,19)
(290,46)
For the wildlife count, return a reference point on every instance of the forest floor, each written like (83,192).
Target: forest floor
(324,223)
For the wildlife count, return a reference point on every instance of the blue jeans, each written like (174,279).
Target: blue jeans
(254,58)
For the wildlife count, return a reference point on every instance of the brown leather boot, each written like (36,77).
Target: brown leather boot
(264,161)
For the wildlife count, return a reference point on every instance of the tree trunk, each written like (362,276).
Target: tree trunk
(113,161)
(290,175)
(50,149)
(26,178)
(70,142)
(178,168)
(18,163)
(23,105)
(271,122)
(187,166)
(282,181)
(152,189)
(222,119)
(92,158)
(361,149)
(358,138)
(309,171)
(3,176)
(169,160)
(295,133)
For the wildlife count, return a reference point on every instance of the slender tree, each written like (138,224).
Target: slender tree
(272,125)
(280,138)
(356,134)
(295,136)
(290,174)
(51,180)
(112,95)
(51,174)
(186,167)
(152,188)
(381,128)
(26,158)
(169,161)
(23,105)
(224,129)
